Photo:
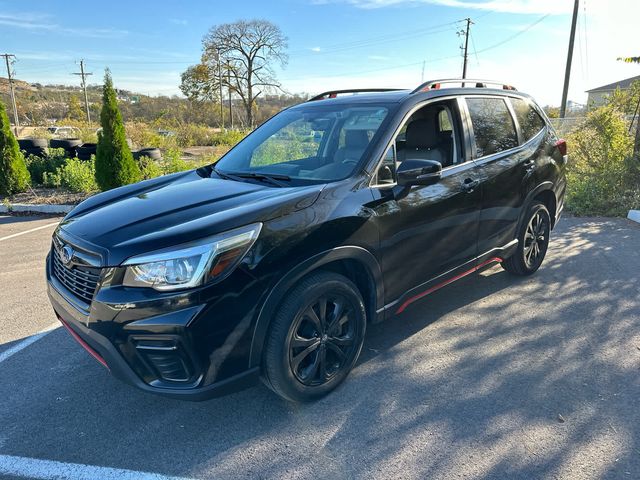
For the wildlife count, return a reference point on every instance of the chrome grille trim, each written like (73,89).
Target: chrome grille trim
(80,280)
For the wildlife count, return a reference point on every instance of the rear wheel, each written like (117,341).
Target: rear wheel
(315,338)
(533,241)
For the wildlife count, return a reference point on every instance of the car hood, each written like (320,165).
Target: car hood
(175,209)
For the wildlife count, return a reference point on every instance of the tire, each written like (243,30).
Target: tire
(33,143)
(66,143)
(152,153)
(327,345)
(533,242)
(84,151)
(37,151)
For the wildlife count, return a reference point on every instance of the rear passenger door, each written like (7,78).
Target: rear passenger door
(502,167)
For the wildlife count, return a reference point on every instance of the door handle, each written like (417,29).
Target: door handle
(469,184)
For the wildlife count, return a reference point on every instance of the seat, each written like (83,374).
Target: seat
(425,141)
(355,143)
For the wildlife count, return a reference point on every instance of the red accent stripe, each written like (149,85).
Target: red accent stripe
(445,283)
(84,344)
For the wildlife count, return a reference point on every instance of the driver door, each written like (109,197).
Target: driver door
(428,234)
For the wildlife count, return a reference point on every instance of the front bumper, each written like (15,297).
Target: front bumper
(159,353)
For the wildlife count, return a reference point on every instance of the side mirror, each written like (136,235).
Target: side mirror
(419,172)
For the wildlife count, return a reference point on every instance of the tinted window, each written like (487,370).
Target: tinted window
(493,126)
(296,140)
(530,121)
(311,142)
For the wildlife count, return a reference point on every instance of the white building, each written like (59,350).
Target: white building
(598,96)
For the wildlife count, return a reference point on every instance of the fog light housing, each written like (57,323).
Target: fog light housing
(166,359)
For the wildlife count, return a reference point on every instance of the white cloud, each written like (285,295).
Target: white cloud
(39,22)
(179,21)
(506,6)
(536,68)
(316,49)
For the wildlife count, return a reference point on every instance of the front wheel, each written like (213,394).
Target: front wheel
(533,241)
(315,338)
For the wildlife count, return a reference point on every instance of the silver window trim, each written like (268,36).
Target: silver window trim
(493,156)
(535,108)
(504,98)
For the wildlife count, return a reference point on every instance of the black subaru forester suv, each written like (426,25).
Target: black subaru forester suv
(337,212)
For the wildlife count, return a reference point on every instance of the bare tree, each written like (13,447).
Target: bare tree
(248,50)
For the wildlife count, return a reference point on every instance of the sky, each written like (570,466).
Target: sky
(331,43)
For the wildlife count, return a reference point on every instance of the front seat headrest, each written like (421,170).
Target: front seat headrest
(356,139)
(421,133)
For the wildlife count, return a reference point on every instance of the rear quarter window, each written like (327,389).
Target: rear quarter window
(530,121)
(493,126)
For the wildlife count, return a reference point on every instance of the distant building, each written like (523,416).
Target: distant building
(598,96)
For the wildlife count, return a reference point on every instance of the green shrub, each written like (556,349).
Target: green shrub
(229,137)
(144,135)
(189,135)
(14,176)
(38,166)
(114,165)
(173,163)
(52,179)
(149,168)
(603,178)
(75,175)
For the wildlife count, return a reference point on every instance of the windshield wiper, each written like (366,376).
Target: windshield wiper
(227,176)
(273,178)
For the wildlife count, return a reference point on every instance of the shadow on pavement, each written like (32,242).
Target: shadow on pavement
(493,377)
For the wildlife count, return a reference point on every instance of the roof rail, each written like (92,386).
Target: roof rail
(335,93)
(476,83)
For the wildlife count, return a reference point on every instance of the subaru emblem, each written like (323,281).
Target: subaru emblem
(66,254)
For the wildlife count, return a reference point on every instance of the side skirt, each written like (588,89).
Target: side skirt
(495,255)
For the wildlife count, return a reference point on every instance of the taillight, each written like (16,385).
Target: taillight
(562,146)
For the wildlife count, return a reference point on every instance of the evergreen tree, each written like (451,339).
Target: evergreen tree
(115,165)
(14,176)
(75,111)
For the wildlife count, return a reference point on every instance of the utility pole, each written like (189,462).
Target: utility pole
(567,72)
(16,120)
(220,85)
(83,75)
(229,92)
(466,47)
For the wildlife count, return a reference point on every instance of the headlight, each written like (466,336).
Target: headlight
(192,264)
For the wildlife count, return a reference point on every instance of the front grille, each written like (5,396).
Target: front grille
(78,279)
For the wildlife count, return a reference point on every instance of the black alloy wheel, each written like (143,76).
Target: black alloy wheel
(533,241)
(315,337)
(536,239)
(323,340)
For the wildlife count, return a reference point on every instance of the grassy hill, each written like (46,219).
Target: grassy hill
(49,104)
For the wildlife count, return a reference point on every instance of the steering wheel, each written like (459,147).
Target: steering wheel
(347,161)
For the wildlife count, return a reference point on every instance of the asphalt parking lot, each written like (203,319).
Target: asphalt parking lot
(492,377)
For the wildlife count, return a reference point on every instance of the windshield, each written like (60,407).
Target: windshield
(316,143)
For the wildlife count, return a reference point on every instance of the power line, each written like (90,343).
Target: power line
(16,120)
(515,35)
(586,42)
(475,53)
(366,42)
